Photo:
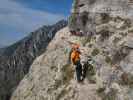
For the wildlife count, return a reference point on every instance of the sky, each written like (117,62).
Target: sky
(20,17)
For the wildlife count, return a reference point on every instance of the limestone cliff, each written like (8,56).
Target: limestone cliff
(52,78)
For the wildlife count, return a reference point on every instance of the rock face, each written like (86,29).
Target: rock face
(109,24)
(108,29)
(88,13)
(51,77)
(16,59)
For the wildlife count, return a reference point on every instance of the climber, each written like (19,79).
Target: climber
(75,59)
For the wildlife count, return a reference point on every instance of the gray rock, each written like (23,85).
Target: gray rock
(129,42)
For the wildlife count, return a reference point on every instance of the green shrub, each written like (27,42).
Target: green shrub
(130,30)
(127,23)
(117,39)
(105,17)
(67,73)
(120,55)
(86,40)
(104,34)
(108,60)
(72,20)
(62,93)
(95,52)
(100,90)
(75,4)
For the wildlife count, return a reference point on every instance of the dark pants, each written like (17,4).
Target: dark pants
(78,71)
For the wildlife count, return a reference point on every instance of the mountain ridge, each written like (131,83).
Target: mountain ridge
(15,60)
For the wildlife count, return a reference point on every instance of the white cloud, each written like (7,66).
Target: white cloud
(15,15)
(24,19)
(15,18)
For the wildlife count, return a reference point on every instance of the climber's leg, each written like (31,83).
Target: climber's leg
(79,71)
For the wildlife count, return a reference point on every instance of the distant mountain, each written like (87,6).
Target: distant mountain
(16,59)
(8,51)
(1,50)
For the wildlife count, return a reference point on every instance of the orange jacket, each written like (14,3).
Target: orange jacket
(75,56)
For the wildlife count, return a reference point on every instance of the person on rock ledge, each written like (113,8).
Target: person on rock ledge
(75,59)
